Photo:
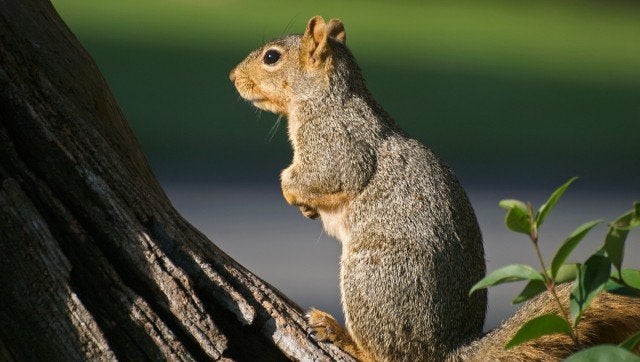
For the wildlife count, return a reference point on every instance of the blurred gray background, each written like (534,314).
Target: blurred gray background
(516,97)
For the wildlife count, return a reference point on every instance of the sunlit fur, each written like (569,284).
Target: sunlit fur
(411,246)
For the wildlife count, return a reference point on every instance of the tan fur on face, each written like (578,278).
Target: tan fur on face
(256,81)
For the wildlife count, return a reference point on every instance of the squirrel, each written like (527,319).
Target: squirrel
(411,244)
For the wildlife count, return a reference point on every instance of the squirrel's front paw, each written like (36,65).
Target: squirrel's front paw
(309,212)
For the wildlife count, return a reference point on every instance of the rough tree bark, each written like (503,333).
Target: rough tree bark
(95,263)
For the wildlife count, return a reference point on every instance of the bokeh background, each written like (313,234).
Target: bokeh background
(516,96)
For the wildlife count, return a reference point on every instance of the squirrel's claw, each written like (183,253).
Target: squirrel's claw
(309,212)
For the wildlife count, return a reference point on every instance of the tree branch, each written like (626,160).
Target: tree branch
(94,260)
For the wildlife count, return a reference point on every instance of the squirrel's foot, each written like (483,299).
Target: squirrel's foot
(325,328)
(309,212)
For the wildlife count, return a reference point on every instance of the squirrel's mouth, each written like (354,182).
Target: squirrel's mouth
(267,105)
(250,95)
(253,99)
(257,102)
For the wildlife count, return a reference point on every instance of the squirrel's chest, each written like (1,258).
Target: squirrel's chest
(335,223)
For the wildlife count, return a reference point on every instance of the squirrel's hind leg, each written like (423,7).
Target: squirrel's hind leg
(327,329)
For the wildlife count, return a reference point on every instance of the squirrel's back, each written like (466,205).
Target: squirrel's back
(414,253)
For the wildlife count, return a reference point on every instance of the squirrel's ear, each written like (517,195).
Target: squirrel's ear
(336,31)
(315,47)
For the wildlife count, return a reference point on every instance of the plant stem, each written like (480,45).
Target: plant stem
(550,284)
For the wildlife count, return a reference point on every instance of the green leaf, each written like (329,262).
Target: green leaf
(630,219)
(569,244)
(616,237)
(614,245)
(538,327)
(566,273)
(518,217)
(631,277)
(616,288)
(634,223)
(634,218)
(592,277)
(603,352)
(533,288)
(553,199)
(506,274)
(618,232)
(631,342)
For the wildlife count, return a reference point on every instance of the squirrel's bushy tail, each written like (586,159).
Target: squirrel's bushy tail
(609,319)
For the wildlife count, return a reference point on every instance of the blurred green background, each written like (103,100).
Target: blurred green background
(516,96)
(504,91)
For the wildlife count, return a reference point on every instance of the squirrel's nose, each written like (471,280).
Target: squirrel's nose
(232,75)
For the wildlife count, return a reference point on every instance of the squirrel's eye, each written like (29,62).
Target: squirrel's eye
(271,57)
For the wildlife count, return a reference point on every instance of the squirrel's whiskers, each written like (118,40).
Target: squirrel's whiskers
(274,128)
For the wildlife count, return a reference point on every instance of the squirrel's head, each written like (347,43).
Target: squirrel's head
(296,68)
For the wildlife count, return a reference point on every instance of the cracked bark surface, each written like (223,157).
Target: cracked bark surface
(95,263)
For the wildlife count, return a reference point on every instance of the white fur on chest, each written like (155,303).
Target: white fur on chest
(335,224)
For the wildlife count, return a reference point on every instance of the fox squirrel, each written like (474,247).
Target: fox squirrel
(411,245)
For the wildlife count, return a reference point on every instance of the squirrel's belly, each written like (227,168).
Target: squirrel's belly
(335,223)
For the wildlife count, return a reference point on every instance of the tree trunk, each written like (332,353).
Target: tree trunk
(95,263)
